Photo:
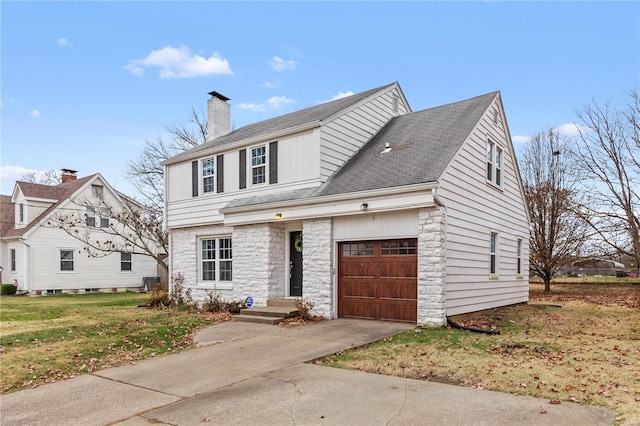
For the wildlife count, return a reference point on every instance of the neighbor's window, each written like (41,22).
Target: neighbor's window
(12,256)
(489,161)
(258,165)
(498,166)
(519,257)
(66,260)
(216,258)
(208,175)
(20,212)
(97,191)
(91,217)
(493,256)
(395,104)
(125,261)
(101,217)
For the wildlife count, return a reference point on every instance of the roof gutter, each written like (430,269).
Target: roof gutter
(249,141)
(331,198)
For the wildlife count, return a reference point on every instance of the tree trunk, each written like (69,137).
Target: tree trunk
(547,285)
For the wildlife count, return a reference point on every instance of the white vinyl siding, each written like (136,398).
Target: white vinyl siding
(343,136)
(472,213)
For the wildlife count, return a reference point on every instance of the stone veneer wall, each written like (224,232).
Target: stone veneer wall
(317,258)
(258,261)
(184,258)
(432,267)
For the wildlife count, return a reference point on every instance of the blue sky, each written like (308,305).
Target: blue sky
(84,84)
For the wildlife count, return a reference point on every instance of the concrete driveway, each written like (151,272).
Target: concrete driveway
(246,373)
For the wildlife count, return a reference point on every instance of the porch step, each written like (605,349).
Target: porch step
(271,311)
(266,314)
(258,318)
(289,303)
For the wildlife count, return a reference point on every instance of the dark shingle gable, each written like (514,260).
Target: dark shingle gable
(286,121)
(422,145)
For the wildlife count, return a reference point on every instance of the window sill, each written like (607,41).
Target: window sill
(494,186)
(215,286)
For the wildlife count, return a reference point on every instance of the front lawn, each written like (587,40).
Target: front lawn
(586,351)
(46,339)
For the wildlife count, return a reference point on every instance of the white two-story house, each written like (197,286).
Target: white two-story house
(359,205)
(42,258)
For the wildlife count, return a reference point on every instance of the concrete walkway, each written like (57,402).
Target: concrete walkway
(246,373)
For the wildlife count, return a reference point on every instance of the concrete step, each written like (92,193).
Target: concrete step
(290,303)
(271,311)
(258,318)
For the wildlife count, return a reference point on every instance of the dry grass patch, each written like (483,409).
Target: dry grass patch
(582,352)
(52,338)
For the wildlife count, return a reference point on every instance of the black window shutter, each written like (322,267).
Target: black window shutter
(273,162)
(220,172)
(243,168)
(194,178)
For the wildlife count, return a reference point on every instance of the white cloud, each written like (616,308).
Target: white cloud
(341,95)
(252,106)
(267,85)
(277,102)
(62,41)
(179,63)
(35,113)
(521,139)
(280,65)
(569,129)
(16,172)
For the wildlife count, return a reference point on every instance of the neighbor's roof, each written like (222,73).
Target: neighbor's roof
(33,190)
(422,144)
(283,122)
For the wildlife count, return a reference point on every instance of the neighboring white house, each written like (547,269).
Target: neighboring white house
(359,205)
(44,259)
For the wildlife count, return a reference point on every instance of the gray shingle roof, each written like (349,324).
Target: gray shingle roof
(283,122)
(422,144)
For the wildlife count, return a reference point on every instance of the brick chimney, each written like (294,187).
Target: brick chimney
(68,175)
(218,116)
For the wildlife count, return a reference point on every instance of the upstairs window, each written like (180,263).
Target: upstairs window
(258,165)
(494,163)
(20,212)
(395,104)
(208,175)
(97,191)
(99,218)
(125,261)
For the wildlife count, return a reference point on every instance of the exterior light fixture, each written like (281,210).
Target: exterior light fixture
(278,216)
(387,148)
(364,207)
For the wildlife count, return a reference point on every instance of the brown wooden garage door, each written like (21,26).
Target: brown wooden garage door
(378,280)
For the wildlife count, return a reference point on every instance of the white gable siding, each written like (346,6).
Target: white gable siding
(342,137)
(298,167)
(476,208)
(399,224)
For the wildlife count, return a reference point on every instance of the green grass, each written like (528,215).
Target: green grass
(45,339)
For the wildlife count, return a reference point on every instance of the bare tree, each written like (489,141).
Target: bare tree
(608,151)
(549,185)
(50,177)
(104,228)
(146,172)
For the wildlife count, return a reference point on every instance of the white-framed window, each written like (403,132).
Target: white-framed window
(395,103)
(20,212)
(208,175)
(519,257)
(12,260)
(493,254)
(259,165)
(216,259)
(125,261)
(494,163)
(66,260)
(98,218)
(97,191)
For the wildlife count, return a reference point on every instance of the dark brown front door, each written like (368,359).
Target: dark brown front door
(295,264)
(378,280)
